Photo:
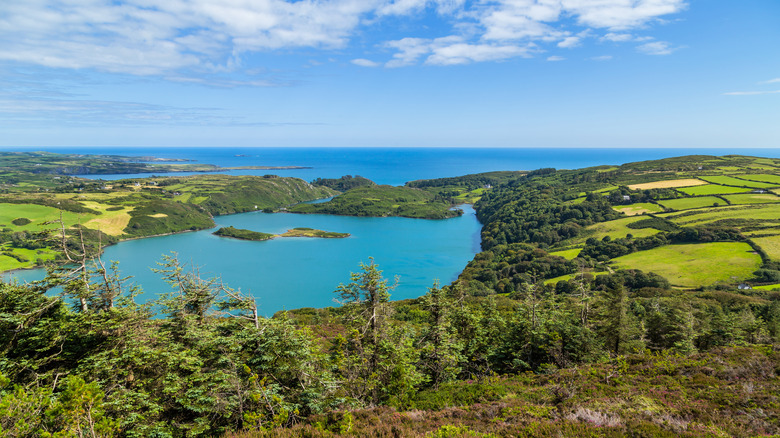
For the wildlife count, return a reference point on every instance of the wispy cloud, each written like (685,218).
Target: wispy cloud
(601,58)
(657,48)
(230,83)
(144,37)
(86,112)
(39,110)
(771,81)
(452,50)
(750,93)
(365,62)
(556,58)
(617,37)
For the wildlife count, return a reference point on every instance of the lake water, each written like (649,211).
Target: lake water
(288,273)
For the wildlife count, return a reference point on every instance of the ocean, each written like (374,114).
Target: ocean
(396,166)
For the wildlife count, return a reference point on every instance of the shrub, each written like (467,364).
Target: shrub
(21,221)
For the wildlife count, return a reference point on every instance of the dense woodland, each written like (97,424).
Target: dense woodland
(525,343)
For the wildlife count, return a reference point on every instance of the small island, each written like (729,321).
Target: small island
(311,232)
(238,233)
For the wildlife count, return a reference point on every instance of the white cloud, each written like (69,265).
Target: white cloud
(152,37)
(620,14)
(569,42)
(503,25)
(771,81)
(450,50)
(602,58)
(656,48)
(556,58)
(750,93)
(403,7)
(365,62)
(410,50)
(617,37)
(463,53)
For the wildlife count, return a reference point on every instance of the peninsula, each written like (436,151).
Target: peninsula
(82,164)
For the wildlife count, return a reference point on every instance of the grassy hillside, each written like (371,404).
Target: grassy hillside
(135,208)
(708,211)
(384,201)
(695,265)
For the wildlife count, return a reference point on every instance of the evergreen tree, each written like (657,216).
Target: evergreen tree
(439,350)
(373,361)
(618,327)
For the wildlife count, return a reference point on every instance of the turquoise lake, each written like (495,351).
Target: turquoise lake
(289,273)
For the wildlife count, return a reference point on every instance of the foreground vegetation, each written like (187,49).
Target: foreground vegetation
(646,394)
(613,355)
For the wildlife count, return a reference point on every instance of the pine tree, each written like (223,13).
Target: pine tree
(440,352)
(374,361)
(618,327)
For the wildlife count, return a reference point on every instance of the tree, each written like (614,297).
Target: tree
(373,361)
(366,300)
(618,327)
(440,351)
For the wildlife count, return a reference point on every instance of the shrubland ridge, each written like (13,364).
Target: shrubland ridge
(552,330)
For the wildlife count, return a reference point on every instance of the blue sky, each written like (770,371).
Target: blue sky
(486,73)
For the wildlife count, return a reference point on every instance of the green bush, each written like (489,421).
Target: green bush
(21,221)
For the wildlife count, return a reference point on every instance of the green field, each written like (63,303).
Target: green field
(731,181)
(604,190)
(617,228)
(568,277)
(767,214)
(568,254)
(689,203)
(762,177)
(763,231)
(39,215)
(768,287)
(8,263)
(465,196)
(695,265)
(710,189)
(751,198)
(639,208)
(770,245)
